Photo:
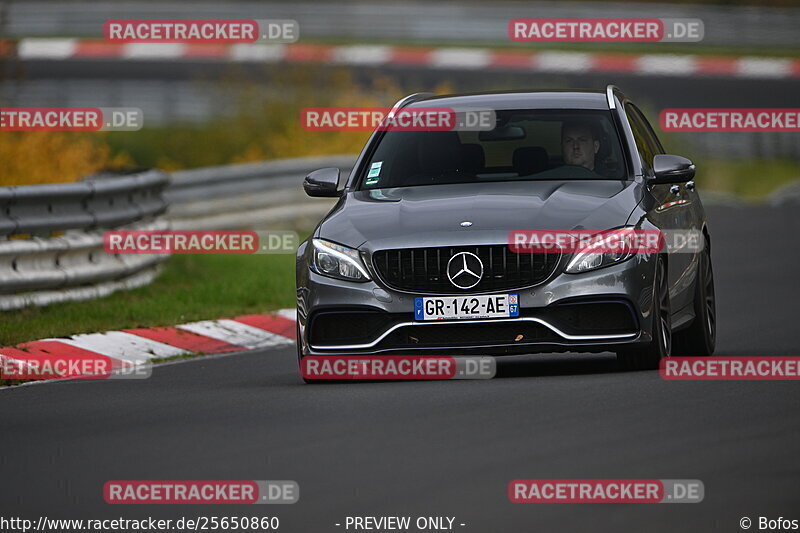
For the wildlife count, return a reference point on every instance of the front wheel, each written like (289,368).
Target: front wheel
(649,357)
(700,338)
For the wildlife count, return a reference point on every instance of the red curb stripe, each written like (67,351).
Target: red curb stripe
(272,323)
(410,56)
(97,49)
(614,62)
(309,52)
(715,65)
(7,48)
(50,350)
(516,60)
(185,340)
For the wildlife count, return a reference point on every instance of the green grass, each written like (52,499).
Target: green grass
(192,287)
(750,180)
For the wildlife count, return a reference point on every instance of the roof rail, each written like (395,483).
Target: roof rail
(610,96)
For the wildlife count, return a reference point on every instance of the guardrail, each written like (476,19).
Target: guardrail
(251,195)
(51,238)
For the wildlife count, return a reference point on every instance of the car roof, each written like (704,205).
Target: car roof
(570,99)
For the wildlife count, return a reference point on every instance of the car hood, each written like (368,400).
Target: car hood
(432,215)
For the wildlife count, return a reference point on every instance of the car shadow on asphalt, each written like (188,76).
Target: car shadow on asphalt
(542,365)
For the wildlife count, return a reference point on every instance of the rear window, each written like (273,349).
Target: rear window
(524,145)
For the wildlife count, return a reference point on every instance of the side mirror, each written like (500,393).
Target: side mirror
(672,169)
(322,183)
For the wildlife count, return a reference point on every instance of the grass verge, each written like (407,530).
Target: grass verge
(192,287)
(749,180)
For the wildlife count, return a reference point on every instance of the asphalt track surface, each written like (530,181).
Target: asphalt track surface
(445,448)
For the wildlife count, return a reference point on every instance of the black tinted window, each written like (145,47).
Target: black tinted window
(646,141)
(524,145)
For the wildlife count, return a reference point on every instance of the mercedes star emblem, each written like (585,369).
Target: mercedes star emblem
(464,270)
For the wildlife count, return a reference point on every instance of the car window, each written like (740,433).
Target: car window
(524,145)
(659,148)
(646,142)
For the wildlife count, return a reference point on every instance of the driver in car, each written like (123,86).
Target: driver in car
(579,144)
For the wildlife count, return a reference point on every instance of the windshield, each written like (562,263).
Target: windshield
(524,145)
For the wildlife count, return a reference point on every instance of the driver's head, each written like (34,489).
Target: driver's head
(579,144)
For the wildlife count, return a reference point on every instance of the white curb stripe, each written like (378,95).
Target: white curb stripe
(153,50)
(258,52)
(564,62)
(666,65)
(460,58)
(756,67)
(291,314)
(122,346)
(46,48)
(234,332)
(362,55)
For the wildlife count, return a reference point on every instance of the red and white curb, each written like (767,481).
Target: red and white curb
(438,58)
(136,346)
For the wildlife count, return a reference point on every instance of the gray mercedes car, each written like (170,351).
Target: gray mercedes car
(414,258)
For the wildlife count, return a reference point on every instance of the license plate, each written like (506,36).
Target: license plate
(466,307)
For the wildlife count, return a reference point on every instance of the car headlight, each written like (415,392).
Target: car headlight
(337,261)
(608,248)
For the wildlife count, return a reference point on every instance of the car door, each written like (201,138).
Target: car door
(672,209)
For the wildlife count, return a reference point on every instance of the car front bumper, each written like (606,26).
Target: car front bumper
(595,311)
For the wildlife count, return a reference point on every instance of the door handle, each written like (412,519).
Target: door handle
(675,189)
(690,185)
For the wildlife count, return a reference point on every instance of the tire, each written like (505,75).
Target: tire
(700,338)
(649,356)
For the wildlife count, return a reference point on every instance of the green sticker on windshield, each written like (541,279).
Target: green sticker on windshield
(374,173)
